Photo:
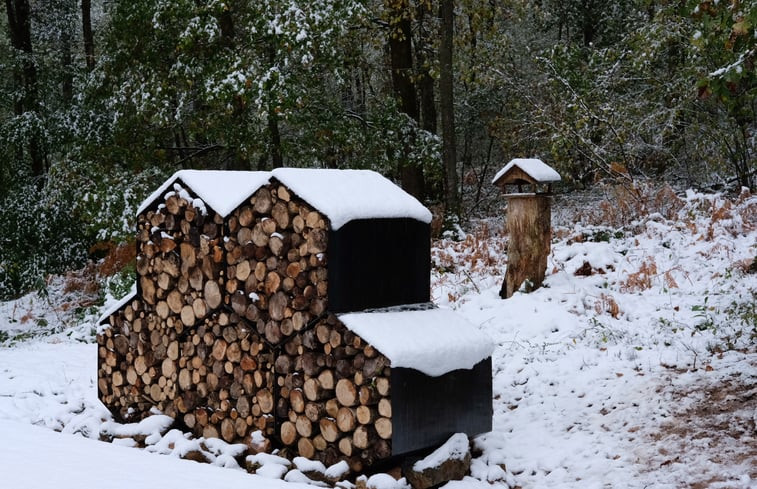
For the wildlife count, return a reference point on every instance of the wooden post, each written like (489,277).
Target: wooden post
(528,223)
(530,231)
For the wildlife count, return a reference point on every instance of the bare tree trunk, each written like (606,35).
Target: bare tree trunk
(19,23)
(277,161)
(401,53)
(447,106)
(424,49)
(15,38)
(424,45)
(89,41)
(227,27)
(588,22)
(274,136)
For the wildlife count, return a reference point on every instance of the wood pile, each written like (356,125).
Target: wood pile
(230,332)
(276,263)
(333,396)
(180,259)
(217,380)
(175,348)
(121,385)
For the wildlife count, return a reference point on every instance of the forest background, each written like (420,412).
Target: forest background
(100,100)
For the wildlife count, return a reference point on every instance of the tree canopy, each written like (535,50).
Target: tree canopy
(103,99)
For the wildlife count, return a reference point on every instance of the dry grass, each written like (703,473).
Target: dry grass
(481,250)
(459,265)
(624,204)
(641,279)
(607,304)
(117,257)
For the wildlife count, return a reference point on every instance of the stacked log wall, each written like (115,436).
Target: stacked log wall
(230,332)
(333,399)
(124,386)
(276,263)
(194,361)
(180,258)
(226,380)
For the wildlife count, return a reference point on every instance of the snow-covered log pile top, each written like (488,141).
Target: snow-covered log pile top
(433,341)
(222,190)
(342,195)
(346,195)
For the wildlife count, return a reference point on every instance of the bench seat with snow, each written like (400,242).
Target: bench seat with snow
(269,301)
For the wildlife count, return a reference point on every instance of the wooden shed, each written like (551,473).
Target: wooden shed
(268,301)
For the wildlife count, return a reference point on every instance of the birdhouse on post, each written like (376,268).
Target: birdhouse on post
(527,184)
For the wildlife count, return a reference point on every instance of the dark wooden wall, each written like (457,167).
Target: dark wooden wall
(426,411)
(379,263)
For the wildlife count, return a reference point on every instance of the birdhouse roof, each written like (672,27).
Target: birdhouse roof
(346,195)
(432,341)
(536,169)
(222,190)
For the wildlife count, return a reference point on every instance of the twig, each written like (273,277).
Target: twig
(472,281)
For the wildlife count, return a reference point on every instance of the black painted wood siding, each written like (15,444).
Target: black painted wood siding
(426,411)
(376,263)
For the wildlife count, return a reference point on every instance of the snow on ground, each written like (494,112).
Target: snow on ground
(33,457)
(632,367)
(595,372)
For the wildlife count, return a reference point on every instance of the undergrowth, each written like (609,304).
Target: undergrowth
(458,265)
(627,203)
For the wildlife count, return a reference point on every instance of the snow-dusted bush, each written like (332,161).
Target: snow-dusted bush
(40,235)
(55,229)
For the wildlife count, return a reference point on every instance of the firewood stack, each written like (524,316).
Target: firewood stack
(226,384)
(230,329)
(122,382)
(181,352)
(276,263)
(174,264)
(334,396)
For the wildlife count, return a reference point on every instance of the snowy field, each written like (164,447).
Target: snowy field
(635,366)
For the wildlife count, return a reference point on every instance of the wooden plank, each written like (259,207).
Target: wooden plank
(426,411)
(378,263)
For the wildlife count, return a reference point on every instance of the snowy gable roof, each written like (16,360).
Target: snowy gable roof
(346,195)
(539,171)
(222,190)
(433,341)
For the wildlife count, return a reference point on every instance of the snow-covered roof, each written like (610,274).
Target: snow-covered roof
(115,306)
(433,341)
(536,169)
(342,195)
(222,190)
(346,195)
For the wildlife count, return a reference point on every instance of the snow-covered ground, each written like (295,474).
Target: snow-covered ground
(635,366)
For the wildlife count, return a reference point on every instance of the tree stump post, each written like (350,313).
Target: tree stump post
(527,184)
